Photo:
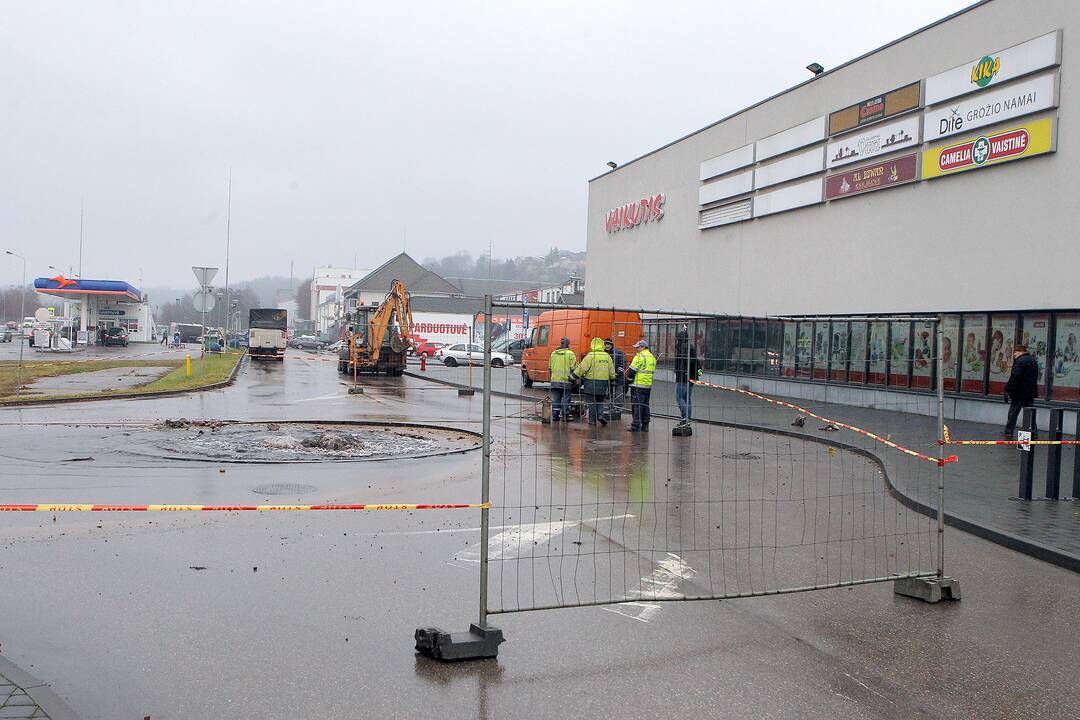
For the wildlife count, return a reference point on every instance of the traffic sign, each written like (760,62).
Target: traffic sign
(205,275)
(203,301)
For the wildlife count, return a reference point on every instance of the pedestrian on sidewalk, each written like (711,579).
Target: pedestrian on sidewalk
(596,371)
(1022,387)
(561,363)
(640,374)
(687,369)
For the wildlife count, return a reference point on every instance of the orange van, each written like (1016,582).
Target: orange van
(581,326)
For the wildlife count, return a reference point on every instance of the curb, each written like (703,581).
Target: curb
(128,395)
(41,693)
(1032,548)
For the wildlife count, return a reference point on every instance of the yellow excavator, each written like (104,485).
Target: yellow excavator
(377,339)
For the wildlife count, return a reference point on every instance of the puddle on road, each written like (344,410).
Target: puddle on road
(299,442)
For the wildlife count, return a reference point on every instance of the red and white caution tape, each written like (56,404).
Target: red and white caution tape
(837,423)
(81,507)
(949,441)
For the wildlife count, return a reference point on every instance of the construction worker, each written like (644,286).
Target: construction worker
(596,371)
(640,373)
(618,388)
(561,364)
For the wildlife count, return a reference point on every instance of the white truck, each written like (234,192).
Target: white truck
(266,333)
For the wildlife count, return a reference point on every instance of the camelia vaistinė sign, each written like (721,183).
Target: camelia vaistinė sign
(995,68)
(1032,138)
(988,108)
(635,213)
(878,176)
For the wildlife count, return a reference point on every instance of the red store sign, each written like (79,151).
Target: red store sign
(868,178)
(634,214)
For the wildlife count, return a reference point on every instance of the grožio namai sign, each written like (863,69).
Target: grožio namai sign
(635,213)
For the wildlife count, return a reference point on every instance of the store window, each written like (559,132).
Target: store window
(774,346)
(950,351)
(857,373)
(1066,377)
(973,355)
(803,345)
(1036,335)
(839,356)
(924,362)
(821,350)
(1000,358)
(787,357)
(899,353)
(878,353)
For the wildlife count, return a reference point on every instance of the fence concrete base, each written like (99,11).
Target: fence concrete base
(928,589)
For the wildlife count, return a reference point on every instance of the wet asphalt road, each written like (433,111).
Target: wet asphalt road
(108,609)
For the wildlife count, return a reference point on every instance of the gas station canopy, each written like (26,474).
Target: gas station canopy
(61,286)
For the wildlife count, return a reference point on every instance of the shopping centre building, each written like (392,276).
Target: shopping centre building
(932,175)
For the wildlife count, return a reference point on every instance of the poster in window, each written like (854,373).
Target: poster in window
(923,360)
(858,352)
(803,343)
(839,351)
(878,352)
(950,351)
(821,350)
(1037,337)
(1066,382)
(973,354)
(899,353)
(1000,358)
(787,356)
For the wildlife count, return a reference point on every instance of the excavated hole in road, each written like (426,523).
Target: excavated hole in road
(284,441)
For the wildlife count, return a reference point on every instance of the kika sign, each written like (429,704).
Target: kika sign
(633,214)
(1033,138)
(995,68)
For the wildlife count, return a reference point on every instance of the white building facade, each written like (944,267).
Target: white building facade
(934,175)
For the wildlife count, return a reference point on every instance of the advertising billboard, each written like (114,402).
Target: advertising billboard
(995,68)
(989,108)
(1034,137)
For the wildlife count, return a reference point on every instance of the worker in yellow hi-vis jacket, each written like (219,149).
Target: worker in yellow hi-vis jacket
(596,371)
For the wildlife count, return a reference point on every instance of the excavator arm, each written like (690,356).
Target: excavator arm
(396,305)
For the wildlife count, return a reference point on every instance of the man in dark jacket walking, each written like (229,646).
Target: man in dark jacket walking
(1022,387)
(687,368)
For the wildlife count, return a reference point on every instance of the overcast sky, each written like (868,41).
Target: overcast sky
(356,129)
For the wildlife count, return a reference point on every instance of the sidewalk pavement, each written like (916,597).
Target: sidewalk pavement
(981,488)
(23,697)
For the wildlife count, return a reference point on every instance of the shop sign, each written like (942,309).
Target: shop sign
(876,108)
(1032,138)
(788,198)
(633,214)
(995,68)
(111,312)
(868,178)
(881,139)
(988,108)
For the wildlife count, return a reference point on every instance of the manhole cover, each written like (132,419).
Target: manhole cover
(283,489)
(739,456)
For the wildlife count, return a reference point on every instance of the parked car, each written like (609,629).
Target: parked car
(513,348)
(470,354)
(5,335)
(427,348)
(115,336)
(308,342)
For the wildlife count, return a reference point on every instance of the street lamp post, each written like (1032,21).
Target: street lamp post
(22,316)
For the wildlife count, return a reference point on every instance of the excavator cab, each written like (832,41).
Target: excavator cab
(378,340)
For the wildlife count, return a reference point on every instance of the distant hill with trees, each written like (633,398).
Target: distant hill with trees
(555,266)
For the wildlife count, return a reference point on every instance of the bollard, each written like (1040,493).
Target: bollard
(1027,457)
(187,364)
(1053,457)
(1076,462)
